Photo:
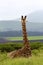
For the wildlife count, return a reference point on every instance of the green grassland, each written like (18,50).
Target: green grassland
(21,38)
(35,59)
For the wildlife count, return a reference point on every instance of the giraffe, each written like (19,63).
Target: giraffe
(25,51)
(25,39)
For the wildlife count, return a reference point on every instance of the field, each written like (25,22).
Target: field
(35,59)
(21,38)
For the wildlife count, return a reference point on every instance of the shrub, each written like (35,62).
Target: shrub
(13,46)
(36,45)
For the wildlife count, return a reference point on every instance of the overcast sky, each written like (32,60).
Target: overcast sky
(13,9)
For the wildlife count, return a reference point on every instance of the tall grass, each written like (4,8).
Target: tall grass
(33,60)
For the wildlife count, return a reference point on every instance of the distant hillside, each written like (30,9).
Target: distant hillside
(19,33)
(36,16)
(35,23)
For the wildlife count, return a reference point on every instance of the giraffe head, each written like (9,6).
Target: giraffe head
(23,19)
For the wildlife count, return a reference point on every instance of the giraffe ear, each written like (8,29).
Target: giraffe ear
(22,17)
(25,17)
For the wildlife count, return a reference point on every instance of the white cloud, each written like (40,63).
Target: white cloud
(12,9)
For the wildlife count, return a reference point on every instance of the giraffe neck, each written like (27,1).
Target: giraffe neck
(25,40)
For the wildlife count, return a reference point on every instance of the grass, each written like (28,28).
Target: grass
(21,38)
(35,59)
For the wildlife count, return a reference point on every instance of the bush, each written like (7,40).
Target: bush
(36,45)
(13,46)
(10,47)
